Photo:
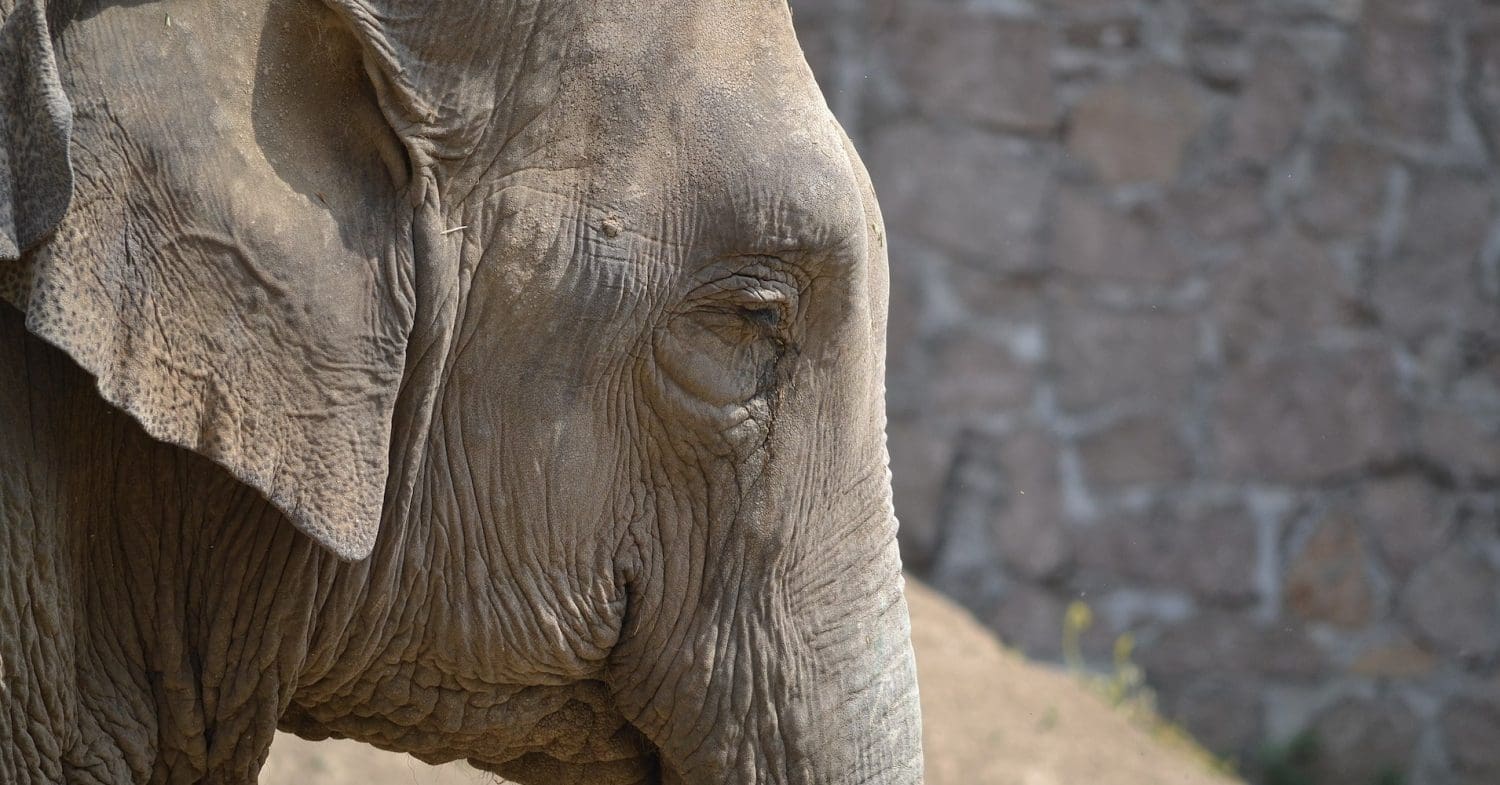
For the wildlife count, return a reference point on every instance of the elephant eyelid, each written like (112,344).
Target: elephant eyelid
(767,306)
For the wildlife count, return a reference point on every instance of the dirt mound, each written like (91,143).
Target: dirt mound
(990,717)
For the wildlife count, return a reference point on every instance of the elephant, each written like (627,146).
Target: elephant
(498,381)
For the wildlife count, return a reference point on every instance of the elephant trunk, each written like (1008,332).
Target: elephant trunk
(867,720)
(803,676)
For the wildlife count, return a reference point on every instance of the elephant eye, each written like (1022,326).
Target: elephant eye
(725,344)
(757,304)
(766,316)
(762,311)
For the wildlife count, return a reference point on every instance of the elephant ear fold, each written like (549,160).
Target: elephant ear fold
(237,280)
(36,182)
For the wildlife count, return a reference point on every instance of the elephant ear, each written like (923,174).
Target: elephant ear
(440,84)
(36,181)
(236,266)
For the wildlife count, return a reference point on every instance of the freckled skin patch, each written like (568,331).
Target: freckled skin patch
(505,388)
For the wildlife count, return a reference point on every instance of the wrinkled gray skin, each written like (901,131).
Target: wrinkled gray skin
(578,304)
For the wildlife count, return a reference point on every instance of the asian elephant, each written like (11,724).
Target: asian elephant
(486,379)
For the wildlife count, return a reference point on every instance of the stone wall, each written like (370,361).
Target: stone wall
(1196,317)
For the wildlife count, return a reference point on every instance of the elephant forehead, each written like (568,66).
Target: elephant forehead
(609,247)
(716,130)
(447,58)
(650,90)
(760,178)
(717,182)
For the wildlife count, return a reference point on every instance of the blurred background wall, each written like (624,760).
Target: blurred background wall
(1196,319)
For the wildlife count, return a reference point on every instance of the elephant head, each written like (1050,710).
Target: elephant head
(559,322)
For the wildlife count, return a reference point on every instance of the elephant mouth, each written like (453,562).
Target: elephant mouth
(621,757)
(537,768)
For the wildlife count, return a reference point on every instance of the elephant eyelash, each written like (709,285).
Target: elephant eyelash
(764,309)
(751,298)
(766,315)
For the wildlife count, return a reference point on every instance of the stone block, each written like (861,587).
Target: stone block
(1327,580)
(965,566)
(961,190)
(1221,58)
(1450,215)
(1397,657)
(1347,188)
(1222,14)
(921,457)
(1452,602)
(1230,644)
(972,375)
(1475,360)
(1107,34)
(1462,443)
(1220,211)
(986,292)
(1362,739)
(1403,63)
(1283,291)
(1337,10)
(1029,528)
(1139,450)
(1224,713)
(1216,41)
(1111,356)
(1105,28)
(1272,108)
(1482,75)
(1307,416)
(1455,370)
(1471,726)
(1137,129)
(1402,516)
(1431,284)
(1206,549)
(1097,240)
(1030,618)
(983,68)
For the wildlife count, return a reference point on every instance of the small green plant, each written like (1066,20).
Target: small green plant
(1124,686)
(1078,618)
